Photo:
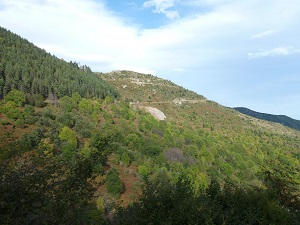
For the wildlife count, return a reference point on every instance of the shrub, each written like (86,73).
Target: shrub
(36,100)
(125,159)
(67,119)
(67,103)
(69,136)
(16,97)
(144,171)
(114,184)
(11,110)
(98,169)
(152,150)
(47,113)
(85,106)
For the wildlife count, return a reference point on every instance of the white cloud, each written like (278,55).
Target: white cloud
(178,69)
(91,33)
(210,46)
(133,68)
(51,47)
(163,6)
(171,14)
(264,34)
(280,51)
(75,30)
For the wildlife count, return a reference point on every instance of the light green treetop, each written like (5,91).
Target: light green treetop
(69,136)
(16,97)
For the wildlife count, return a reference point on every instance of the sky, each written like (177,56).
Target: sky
(235,52)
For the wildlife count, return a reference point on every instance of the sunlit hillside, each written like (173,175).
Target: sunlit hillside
(130,148)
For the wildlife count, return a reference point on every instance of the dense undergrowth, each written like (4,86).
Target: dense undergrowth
(61,158)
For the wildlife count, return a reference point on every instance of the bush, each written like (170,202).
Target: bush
(11,110)
(36,100)
(125,159)
(114,184)
(5,122)
(16,97)
(67,103)
(67,120)
(47,113)
(67,151)
(29,116)
(85,133)
(152,150)
(98,169)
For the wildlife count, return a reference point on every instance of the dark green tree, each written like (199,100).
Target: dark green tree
(113,183)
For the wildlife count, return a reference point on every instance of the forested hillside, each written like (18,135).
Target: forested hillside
(33,71)
(284,120)
(97,159)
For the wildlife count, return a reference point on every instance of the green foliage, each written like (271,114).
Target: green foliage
(29,114)
(116,159)
(15,96)
(45,191)
(108,100)
(151,150)
(125,159)
(100,144)
(48,113)
(134,142)
(40,188)
(32,70)
(11,110)
(36,100)
(69,136)
(165,203)
(86,106)
(226,168)
(67,119)
(144,170)
(5,122)
(85,151)
(68,151)
(31,140)
(76,97)
(85,133)
(29,110)
(67,103)
(278,176)
(98,169)
(100,206)
(113,183)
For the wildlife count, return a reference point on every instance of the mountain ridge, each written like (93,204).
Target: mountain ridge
(151,91)
(281,119)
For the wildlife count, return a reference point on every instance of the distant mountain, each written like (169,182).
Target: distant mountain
(282,119)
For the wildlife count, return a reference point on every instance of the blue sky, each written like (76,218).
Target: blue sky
(237,53)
